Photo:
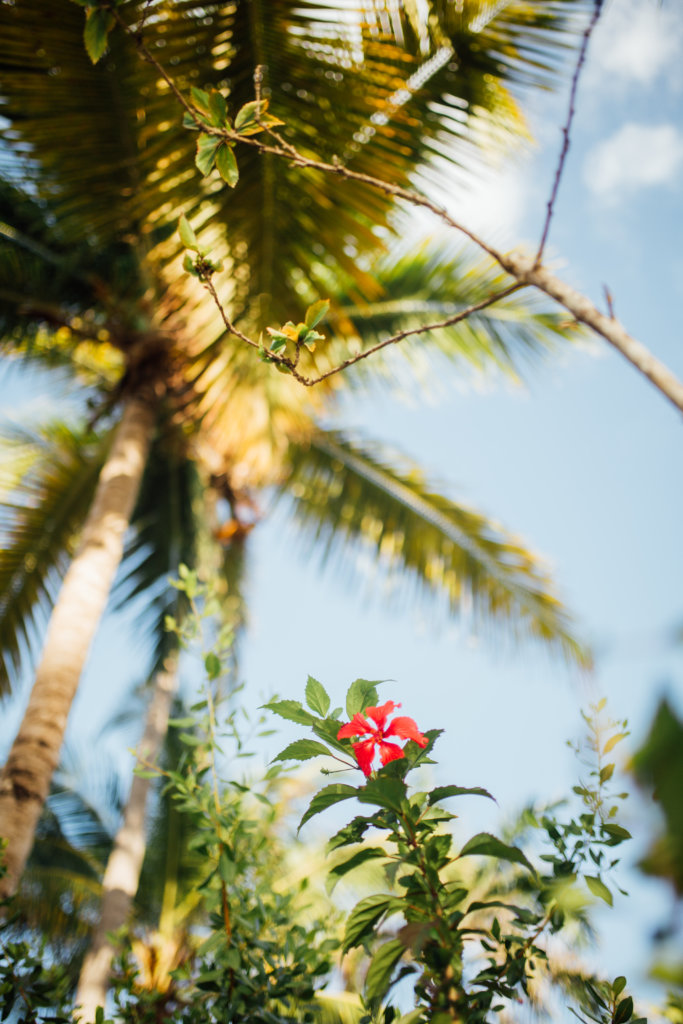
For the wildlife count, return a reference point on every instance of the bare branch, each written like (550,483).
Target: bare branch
(566,130)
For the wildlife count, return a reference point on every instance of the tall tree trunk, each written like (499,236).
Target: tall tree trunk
(25,779)
(122,873)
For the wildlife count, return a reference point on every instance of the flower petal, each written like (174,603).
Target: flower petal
(406,729)
(389,752)
(364,752)
(356,727)
(381,713)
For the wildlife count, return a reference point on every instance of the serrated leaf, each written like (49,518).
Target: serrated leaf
(96,33)
(302,750)
(316,312)
(358,858)
(384,792)
(316,697)
(326,798)
(599,889)
(486,845)
(365,916)
(443,792)
(613,740)
(292,710)
(378,978)
(187,235)
(227,165)
(206,152)
(362,694)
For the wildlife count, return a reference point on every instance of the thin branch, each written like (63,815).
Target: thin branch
(566,130)
(517,265)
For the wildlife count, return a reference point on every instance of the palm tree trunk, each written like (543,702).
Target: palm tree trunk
(25,779)
(122,873)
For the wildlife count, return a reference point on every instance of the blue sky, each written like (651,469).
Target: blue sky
(584,461)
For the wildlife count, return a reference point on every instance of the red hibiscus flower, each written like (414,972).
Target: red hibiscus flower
(377,731)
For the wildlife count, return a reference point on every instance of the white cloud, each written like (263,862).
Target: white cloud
(638,41)
(637,156)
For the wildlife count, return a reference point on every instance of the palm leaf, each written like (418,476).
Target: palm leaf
(40,515)
(352,498)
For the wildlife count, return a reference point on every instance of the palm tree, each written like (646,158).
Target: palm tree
(90,258)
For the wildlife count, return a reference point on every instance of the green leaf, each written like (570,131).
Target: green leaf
(227,868)
(96,33)
(358,858)
(606,773)
(617,833)
(618,985)
(206,152)
(218,108)
(384,792)
(362,694)
(227,165)
(316,697)
(326,798)
(201,99)
(302,750)
(624,1011)
(212,664)
(316,312)
(443,792)
(246,115)
(365,916)
(292,710)
(187,235)
(378,978)
(599,889)
(486,845)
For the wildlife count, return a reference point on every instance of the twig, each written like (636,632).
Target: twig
(566,130)
(517,265)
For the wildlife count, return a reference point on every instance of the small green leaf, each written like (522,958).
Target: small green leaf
(227,165)
(616,832)
(201,99)
(362,694)
(624,1011)
(618,985)
(365,916)
(182,723)
(316,697)
(206,152)
(187,235)
(188,265)
(98,25)
(378,978)
(212,664)
(292,710)
(599,889)
(247,115)
(486,845)
(218,108)
(326,798)
(302,750)
(316,312)
(227,868)
(443,792)
(606,773)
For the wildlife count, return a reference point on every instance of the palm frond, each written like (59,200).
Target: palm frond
(51,486)
(352,498)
